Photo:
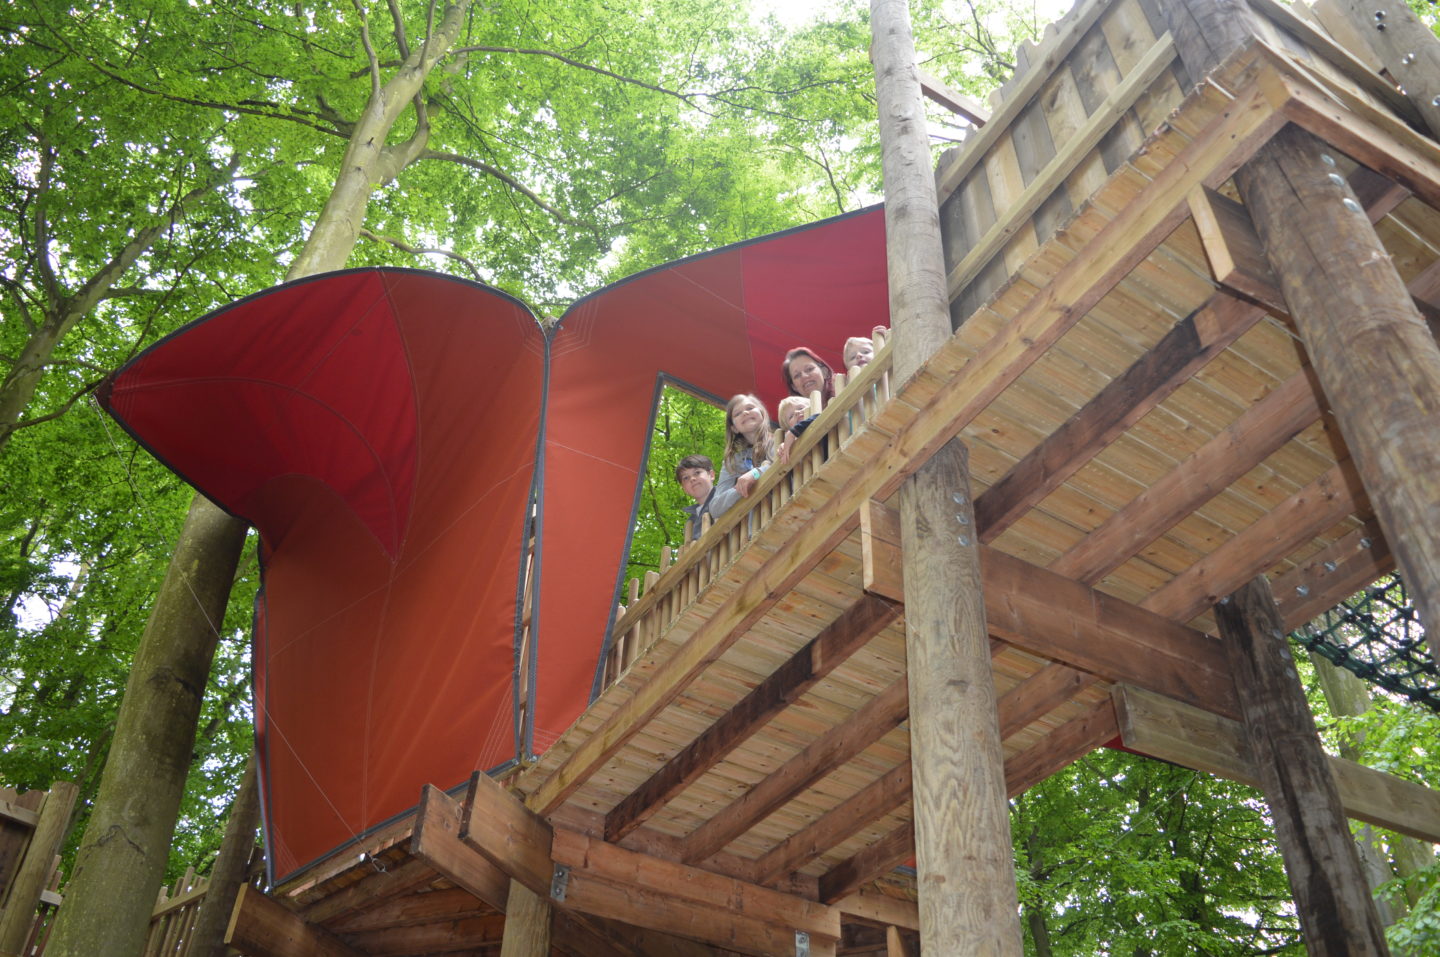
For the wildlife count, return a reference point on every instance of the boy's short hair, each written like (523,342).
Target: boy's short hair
(694,462)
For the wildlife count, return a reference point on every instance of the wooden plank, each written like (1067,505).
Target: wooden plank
(1127,398)
(957,103)
(1154,725)
(1332,17)
(869,804)
(1056,49)
(884,855)
(820,656)
(1237,260)
(23,893)
(870,723)
(437,842)
(1336,909)
(1283,413)
(408,909)
(1017,214)
(1307,513)
(690,886)
(881,570)
(1071,741)
(263,927)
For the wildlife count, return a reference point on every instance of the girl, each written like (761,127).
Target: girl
(749,450)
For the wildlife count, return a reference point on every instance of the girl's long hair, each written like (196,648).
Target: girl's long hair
(736,445)
(827,391)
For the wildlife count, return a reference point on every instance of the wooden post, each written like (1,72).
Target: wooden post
(1332,898)
(35,867)
(1373,353)
(965,864)
(527,923)
(207,938)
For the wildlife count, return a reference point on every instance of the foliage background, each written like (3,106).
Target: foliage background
(166,157)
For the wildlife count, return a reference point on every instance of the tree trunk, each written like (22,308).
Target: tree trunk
(122,858)
(121,861)
(207,938)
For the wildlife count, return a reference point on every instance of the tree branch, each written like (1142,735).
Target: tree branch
(398,19)
(405,247)
(369,48)
(42,224)
(505,178)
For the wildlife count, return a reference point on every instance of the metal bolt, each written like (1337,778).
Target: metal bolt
(958,498)
(1327,159)
(1379,14)
(1407,59)
(1331,566)
(1351,205)
(1225,600)
(1302,590)
(1364,543)
(962,518)
(1436,101)
(964,540)
(1337,179)
(1380,26)
(1277,633)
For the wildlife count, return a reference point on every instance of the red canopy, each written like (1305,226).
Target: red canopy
(381,427)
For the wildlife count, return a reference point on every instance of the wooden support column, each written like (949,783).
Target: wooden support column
(1406,47)
(527,923)
(36,866)
(965,864)
(1373,353)
(1337,913)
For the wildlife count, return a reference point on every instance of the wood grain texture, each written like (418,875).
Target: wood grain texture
(527,923)
(263,927)
(1333,901)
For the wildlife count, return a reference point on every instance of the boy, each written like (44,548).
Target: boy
(696,475)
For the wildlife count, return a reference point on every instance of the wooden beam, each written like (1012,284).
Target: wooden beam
(1408,48)
(870,803)
(437,842)
(507,833)
(1066,621)
(934,89)
(1057,618)
(1039,694)
(882,909)
(1237,260)
(1332,899)
(1126,399)
(375,886)
(1154,725)
(1282,414)
(828,650)
(870,723)
(884,855)
(1339,571)
(472,934)
(1318,506)
(263,927)
(1071,741)
(675,898)
(424,907)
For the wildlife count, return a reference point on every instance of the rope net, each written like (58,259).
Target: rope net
(1376,634)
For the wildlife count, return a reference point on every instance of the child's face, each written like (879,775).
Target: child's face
(697,482)
(792,412)
(858,354)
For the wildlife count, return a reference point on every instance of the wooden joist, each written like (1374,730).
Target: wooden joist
(833,646)
(437,842)
(263,927)
(1155,725)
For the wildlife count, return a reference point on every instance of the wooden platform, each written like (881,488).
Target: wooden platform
(1144,437)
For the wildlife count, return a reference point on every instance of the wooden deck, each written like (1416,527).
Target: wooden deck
(1145,436)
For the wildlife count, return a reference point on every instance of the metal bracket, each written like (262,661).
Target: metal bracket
(802,944)
(559,882)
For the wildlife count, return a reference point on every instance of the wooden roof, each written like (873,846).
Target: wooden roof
(1144,437)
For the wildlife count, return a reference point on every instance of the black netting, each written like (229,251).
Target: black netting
(1376,634)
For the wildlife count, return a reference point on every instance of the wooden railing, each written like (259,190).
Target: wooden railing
(174,916)
(685,572)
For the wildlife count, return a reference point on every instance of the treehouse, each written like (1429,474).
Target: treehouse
(1175,314)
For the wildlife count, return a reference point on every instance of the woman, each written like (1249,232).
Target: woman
(749,450)
(805,372)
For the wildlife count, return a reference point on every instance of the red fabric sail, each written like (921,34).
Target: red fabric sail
(381,427)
